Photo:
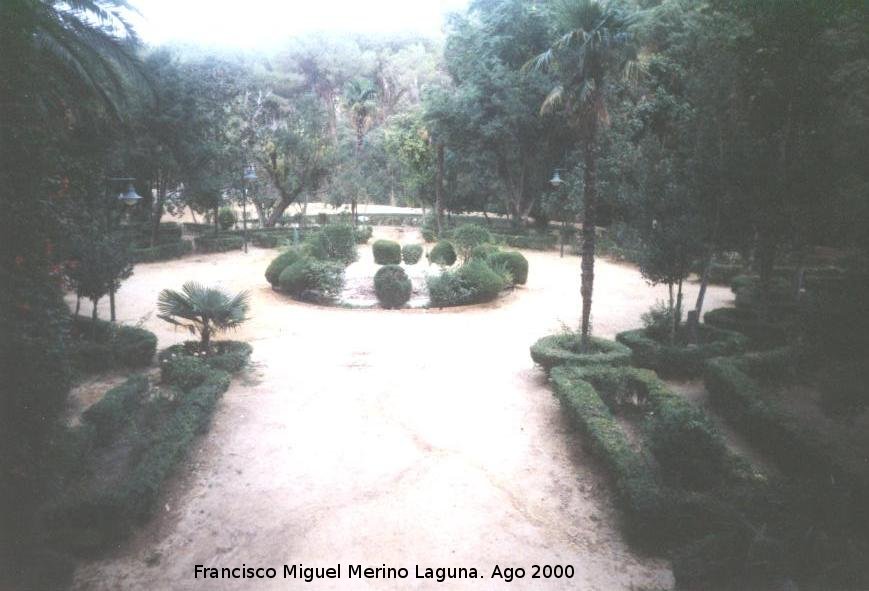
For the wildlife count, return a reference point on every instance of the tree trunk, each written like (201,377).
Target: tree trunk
(205,344)
(157,212)
(439,189)
(588,234)
(77,302)
(766,260)
(112,305)
(671,330)
(94,313)
(694,315)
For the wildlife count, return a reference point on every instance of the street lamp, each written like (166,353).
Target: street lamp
(556,181)
(247,179)
(128,198)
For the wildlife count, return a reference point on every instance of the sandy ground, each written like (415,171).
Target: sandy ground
(400,437)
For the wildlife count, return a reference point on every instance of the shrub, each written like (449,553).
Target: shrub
(485,284)
(230,356)
(386,252)
(411,253)
(468,236)
(563,349)
(226,218)
(309,279)
(112,412)
(442,253)
(218,243)
(184,371)
(161,252)
(544,241)
(514,262)
(392,286)
(105,345)
(763,334)
(281,262)
(335,242)
(447,290)
(363,234)
(680,359)
(484,251)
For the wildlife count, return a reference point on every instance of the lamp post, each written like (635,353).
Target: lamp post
(556,181)
(128,197)
(247,178)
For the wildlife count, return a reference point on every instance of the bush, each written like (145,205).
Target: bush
(442,253)
(219,243)
(472,283)
(161,252)
(335,242)
(229,356)
(363,234)
(763,334)
(563,349)
(226,218)
(468,236)
(112,412)
(514,262)
(679,359)
(484,251)
(447,289)
(184,371)
(544,241)
(309,279)
(105,345)
(386,252)
(392,286)
(281,262)
(411,253)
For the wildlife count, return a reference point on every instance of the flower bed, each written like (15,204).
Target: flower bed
(563,349)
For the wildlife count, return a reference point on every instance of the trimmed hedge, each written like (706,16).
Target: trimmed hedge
(545,241)
(386,252)
(562,349)
(229,356)
(161,252)
(363,234)
(484,251)
(442,253)
(309,279)
(515,264)
(411,253)
(468,236)
(678,360)
(472,283)
(392,286)
(763,334)
(226,218)
(106,345)
(281,262)
(112,413)
(335,242)
(219,243)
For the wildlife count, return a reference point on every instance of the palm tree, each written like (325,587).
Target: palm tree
(593,47)
(202,310)
(359,100)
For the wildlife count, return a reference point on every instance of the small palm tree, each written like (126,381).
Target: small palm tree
(202,310)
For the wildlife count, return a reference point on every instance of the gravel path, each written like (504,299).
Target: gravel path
(400,437)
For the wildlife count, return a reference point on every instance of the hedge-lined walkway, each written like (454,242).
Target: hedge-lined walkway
(413,437)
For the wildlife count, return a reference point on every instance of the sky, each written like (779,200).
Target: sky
(259,24)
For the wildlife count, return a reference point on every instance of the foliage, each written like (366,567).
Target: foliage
(218,243)
(111,414)
(363,234)
(98,266)
(442,253)
(483,251)
(466,237)
(472,283)
(203,310)
(386,252)
(226,218)
(762,334)
(281,262)
(392,286)
(565,349)
(411,253)
(184,371)
(515,263)
(99,346)
(161,252)
(334,242)
(309,279)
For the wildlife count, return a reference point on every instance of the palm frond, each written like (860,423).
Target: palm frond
(553,100)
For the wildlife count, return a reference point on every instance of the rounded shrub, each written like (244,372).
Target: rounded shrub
(443,253)
(184,371)
(564,349)
(363,234)
(392,286)
(484,251)
(334,242)
(513,262)
(484,283)
(386,252)
(411,253)
(309,279)
(226,218)
(281,262)
(469,236)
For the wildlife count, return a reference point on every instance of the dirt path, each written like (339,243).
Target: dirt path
(367,436)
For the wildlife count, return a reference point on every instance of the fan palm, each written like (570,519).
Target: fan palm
(593,47)
(359,99)
(202,310)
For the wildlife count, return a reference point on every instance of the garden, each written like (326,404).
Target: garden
(574,285)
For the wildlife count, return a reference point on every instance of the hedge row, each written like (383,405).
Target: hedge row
(681,360)
(219,243)
(763,334)
(91,515)
(162,252)
(105,345)
(563,349)
(386,252)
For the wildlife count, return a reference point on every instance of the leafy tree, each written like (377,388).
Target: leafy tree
(203,310)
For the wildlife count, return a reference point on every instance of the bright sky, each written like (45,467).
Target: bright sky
(254,24)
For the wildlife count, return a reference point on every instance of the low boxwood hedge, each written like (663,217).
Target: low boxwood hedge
(442,253)
(162,252)
(513,262)
(281,262)
(219,243)
(563,349)
(763,334)
(105,345)
(334,243)
(386,252)
(113,411)
(681,360)
(544,241)
(392,286)
(472,283)
(411,253)
(313,280)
